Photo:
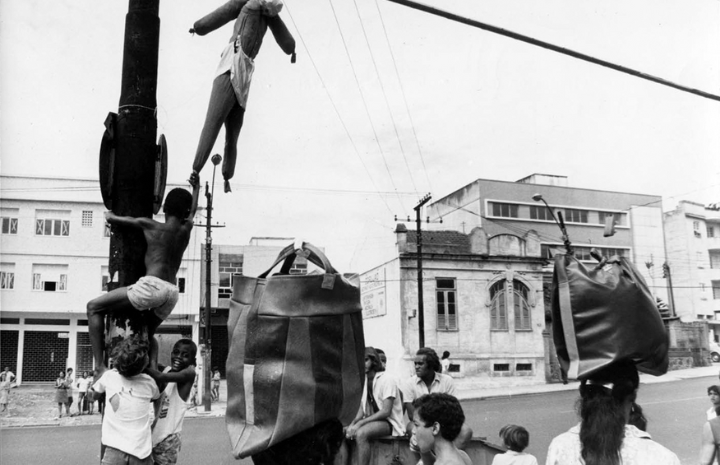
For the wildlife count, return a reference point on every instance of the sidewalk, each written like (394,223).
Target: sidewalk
(529,389)
(33,405)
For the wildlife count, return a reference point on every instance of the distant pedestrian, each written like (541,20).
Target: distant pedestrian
(5,386)
(70,385)
(9,375)
(445,363)
(91,397)
(194,398)
(215,392)
(82,385)
(61,394)
(516,439)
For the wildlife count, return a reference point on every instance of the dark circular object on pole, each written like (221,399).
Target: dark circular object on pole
(107,160)
(161,162)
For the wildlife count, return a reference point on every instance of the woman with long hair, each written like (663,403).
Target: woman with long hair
(604,436)
(61,394)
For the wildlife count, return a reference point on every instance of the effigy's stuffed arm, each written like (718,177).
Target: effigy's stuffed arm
(282,36)
(218,18)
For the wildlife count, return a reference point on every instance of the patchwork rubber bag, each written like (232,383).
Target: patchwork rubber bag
(605,314)
(296,353)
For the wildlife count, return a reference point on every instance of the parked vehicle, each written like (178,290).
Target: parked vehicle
(715,352)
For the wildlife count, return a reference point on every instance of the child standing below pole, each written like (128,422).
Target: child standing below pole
(126,422)
(178,380)
(516,439)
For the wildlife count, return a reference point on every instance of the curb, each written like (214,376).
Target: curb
(480,394)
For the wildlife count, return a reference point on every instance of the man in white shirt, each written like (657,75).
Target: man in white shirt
(428,379)
(381,411)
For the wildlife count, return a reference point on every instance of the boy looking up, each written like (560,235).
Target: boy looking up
(437,421)
(177,380)
(155,293)
(126,421)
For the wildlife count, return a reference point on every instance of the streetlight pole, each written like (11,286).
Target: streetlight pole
(207,399)
(421,305)
(561,223)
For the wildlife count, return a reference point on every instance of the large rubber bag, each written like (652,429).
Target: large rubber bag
(296,353)
(605,314)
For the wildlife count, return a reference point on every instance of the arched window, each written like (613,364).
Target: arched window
(498,306)
(521,306)
(505,295)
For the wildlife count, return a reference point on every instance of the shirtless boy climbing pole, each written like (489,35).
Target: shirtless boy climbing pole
(155,293)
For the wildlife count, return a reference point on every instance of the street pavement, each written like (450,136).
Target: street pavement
(674,403)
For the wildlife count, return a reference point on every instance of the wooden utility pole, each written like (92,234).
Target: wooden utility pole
(132,181)
(132,166)
(421,305)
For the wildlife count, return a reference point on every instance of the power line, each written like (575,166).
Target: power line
(362,97)
(402,91)
(332,102)
(382,88)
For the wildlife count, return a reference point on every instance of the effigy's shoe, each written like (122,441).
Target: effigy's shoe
(227,186)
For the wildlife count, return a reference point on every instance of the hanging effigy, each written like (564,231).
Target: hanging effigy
(231,86)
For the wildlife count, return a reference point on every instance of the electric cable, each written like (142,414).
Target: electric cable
(384,94)
(362,97)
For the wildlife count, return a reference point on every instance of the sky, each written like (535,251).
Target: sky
(384,105)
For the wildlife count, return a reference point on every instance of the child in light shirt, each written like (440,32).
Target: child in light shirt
(516,439)
(126,422)
(176,382)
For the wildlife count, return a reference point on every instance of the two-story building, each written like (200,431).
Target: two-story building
(227,263)
(692,235)
(54,246)
(486,269)
(501,207)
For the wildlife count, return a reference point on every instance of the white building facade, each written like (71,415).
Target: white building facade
(487,269)
(482,302)
(501,207)
(54,247)
(692,235)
